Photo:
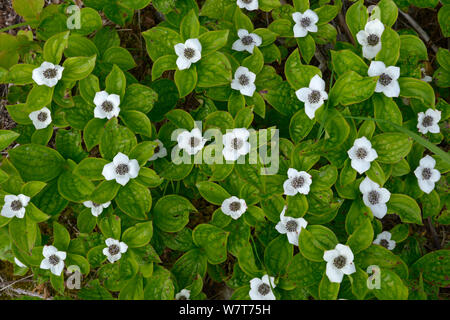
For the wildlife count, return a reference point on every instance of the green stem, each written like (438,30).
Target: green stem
(14,26)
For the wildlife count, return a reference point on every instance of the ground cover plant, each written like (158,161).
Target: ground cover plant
(225,149)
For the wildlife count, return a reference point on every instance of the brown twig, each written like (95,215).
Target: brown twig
(434,234)
(419,30)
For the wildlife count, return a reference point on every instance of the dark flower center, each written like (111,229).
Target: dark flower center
(107,106)
(373,39)
(50,73)
(263,289)
(314,96)
(156,149)
(305,22)
(298,182)
(427,121)
(361,153)
(189,53)
(42,116)
(384,243)
(113,249)
(235,206)
(374,197)
(385,79)
(291,226)
(194,142)
(237,143)
(96,204)
(247,40)
(53,259)
(426,173)
(339,262)
(122,169)
(247,1)
(16,205)
(182,298)
(244,80)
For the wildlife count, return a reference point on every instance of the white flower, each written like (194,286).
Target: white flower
(15,206)
(41,118)
(183,295)
(247,41)
(375,197)
(114,249)
(387,81)
(339,262)
(96,208)
(384,239)
(235,144)
(191,142)
(250,5)
(290,226)
(260,289)
(234,207)
(297,182)
(47,74)
(106,105)
(53,260)
(244,81)
(362,154)
(19,263)
(122,169)
(304,22)
(428,121)
(159,152)
(426,175)
(313,96)
(188,53)
(370,38)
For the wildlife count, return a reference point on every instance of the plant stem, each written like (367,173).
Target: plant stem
(14,26)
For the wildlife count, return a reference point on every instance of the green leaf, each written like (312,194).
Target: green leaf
(390,49)
(389,12)
(186,80)
(213,240)
(328,290)
(190,26)
(434,267)
(163,64)
(91,168)
(160,41)
(392,287)
(135,200)
(77,68)
(116,82)
(315,240)
(74,188)
(181,119)
(362,237)
(115,139)
(54,47)
(110,227)
(345,60)
(137,121)
(92,133)
(254,62)
(443,18)
(415,88)
(29,9)
(7,137)
(188,266)
(23,233)
(278,255)
(391,147)
(212,192)
(406,207)
(21,74)
(140,98)
(212,41)
(385,108)
(307,47)
(39,96)
(36,162)
(297,74)
(352,88)
(159,286)
(171,213)
(138,235)
(61,237)
(356,18)
(119,56)
(213,70)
